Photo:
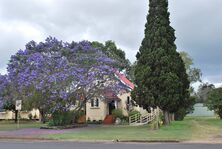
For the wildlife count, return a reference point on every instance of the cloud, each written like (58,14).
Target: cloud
(14,35)
(197,24)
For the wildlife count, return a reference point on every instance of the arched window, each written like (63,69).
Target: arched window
(92,103)
(97,103)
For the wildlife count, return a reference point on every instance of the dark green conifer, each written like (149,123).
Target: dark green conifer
(160,73)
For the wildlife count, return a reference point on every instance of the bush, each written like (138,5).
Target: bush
(94,122)
(133,112)
(117,113)
(61,118)
(154,125)
(187,108)
(180,114)
(78,115)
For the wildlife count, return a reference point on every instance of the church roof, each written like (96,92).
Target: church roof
(124,80)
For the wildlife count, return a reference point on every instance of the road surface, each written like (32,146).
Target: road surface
(73,145)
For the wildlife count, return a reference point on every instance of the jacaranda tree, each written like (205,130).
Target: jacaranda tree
(3,84)
(55,76)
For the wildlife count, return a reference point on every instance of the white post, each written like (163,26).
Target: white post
(18,106)
(116,104)
(18,119)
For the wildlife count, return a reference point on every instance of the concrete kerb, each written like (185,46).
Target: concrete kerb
(92,141)
(36,139)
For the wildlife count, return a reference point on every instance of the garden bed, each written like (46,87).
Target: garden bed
(65,127)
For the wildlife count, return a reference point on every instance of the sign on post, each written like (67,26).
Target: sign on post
(18,105)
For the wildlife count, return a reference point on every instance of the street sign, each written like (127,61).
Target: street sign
(18,105)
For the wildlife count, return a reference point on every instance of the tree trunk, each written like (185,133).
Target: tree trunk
(166,118)
(42,116)
(16,116)
(75,116)
(220,113)
(172,117)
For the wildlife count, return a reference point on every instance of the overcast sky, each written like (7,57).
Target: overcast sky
(197,23)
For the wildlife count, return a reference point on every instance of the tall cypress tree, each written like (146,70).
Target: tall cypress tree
(160,73)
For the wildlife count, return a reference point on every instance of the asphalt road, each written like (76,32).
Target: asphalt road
(71,145)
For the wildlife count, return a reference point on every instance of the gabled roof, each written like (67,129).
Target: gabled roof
(124,80)
(110,95)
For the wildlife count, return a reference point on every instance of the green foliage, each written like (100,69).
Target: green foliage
(160,73)
(61,118)
(134,112)
(34,101)
(37,101)
(188,61)
(193,73)
(112,51)
(131,72)
(187,108)
(154,125)
(214,101)
(157,122)
(203,90)
(117,113)
(9,105)
(77,115)
(94,122)
(180,114)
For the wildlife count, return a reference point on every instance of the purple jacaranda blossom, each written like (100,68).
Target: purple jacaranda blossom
(3,86)
(3,82)
(61,73)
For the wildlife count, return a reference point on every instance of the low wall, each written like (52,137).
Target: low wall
(9,115)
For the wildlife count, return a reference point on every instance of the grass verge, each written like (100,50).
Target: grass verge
(10,125)
(189,129)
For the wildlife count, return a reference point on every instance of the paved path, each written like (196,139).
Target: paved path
(29,132)
(71,145)
(36,132)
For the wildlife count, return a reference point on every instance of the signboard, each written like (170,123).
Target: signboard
(18,105)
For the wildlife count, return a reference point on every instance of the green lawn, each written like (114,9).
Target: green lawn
(189,129)
(200,128)
(10,125)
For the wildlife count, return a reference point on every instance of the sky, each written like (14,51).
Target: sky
(197,23)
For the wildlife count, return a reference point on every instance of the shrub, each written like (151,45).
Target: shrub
(133,112)
(88,120)
(188,108)
(94,122)
(78,115)
(117,113)
(180,114)
(51,123)
(61,118)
